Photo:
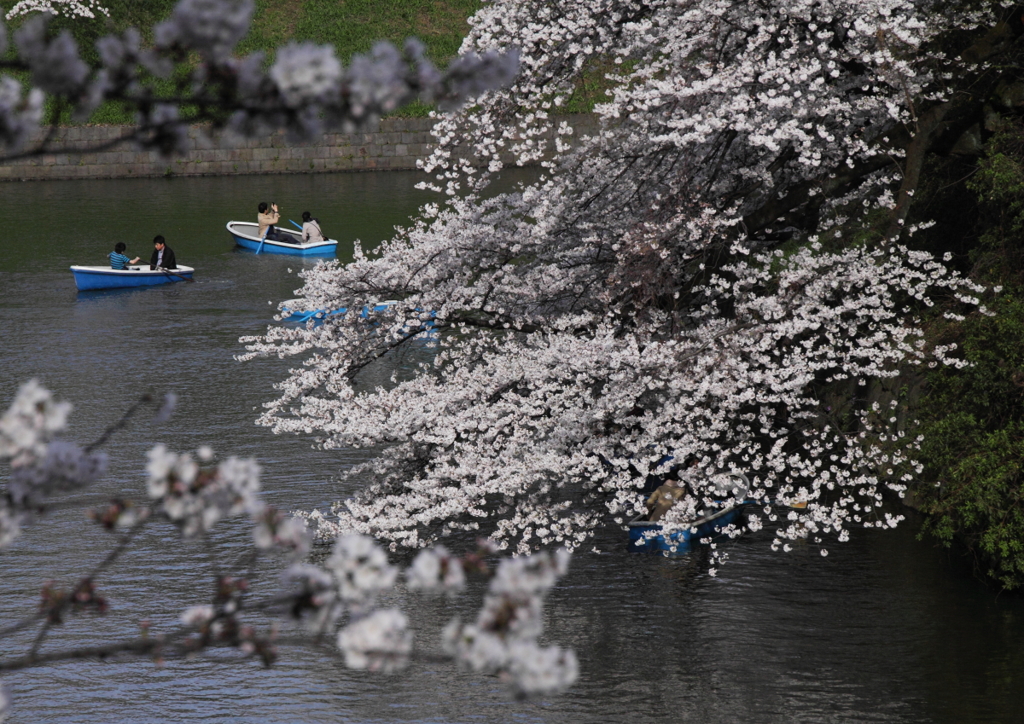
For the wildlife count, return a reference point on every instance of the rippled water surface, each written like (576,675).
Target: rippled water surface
(885,629)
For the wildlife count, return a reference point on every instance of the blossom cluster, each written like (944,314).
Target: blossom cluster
(676,286)
(502,641)
(196,499)
(504,637)
(68,8)
(305,90)
(40,464)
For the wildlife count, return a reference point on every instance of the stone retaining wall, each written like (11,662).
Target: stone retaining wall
(396,143)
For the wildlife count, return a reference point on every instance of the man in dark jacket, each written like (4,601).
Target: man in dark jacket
(163,255)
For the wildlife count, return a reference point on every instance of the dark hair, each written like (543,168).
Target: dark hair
(306,216)
(158,240)
(119,247)
(262,208)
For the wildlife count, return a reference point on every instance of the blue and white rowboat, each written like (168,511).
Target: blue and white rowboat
(246,235)
(103,277)
(646,535)
(319,315)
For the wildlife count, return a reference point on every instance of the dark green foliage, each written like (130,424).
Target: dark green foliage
(974,443)
(999,185)
(973,419)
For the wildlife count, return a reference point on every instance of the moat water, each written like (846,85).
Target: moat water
(887,628)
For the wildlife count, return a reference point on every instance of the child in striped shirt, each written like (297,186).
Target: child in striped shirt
(118,260)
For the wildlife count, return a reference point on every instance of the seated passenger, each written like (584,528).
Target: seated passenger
(311,229)
(118,260)
(662,499)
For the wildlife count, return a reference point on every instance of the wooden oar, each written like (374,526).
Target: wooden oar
(168,271)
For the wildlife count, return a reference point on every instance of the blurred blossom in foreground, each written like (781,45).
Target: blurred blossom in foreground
(380,641)
(436,569)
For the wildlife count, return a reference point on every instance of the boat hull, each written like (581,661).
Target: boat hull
(246,236)
(99,277)
(646,536)
(319,315)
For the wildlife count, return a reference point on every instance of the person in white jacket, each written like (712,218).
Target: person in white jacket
(311,229)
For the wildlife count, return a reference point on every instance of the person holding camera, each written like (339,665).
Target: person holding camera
(267,216)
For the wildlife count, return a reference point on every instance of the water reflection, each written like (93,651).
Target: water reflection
(886,629)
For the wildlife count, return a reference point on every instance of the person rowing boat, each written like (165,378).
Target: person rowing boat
(163,255)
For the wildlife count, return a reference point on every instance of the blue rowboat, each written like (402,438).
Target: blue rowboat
(729,488)
(319,315)
(103,277)
(645,535)
(246,235)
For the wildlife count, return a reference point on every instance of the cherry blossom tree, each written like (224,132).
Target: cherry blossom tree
(333,605)
(686,287)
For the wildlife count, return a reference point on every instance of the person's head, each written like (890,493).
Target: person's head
(306,216)
(158,241)
(119,247)
(263,207)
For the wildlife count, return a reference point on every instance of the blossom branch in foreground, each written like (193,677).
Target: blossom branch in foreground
(195,493)
(304,91)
